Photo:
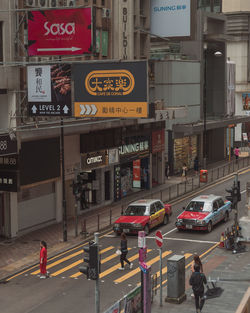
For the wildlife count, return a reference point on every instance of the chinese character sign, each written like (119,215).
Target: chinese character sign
(111,89)
(39,83)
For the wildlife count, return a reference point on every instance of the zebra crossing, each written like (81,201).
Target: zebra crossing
(67,264)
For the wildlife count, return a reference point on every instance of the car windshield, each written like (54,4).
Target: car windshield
(197,206)
(134,210)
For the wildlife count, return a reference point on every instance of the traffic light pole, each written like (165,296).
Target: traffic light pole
(97,283)
(236,208)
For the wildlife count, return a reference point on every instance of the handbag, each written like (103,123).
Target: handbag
(118,252)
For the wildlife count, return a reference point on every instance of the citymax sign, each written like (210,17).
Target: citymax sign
(93,159)
(60,32)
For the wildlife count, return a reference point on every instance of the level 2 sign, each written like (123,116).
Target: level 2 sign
(41,109)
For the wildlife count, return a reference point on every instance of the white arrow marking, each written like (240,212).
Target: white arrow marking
(94,109)
(65,109)
(59,49)
(34,109)
(82,109)
(88,109)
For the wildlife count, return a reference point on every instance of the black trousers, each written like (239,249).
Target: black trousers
(123,258)
(199,300)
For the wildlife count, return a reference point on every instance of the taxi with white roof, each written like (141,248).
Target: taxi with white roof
(203,212)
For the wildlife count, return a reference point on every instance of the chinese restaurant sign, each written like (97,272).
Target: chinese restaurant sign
(49,90)
(59,32)
(111,89)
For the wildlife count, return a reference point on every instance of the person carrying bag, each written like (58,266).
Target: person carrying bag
(197,281)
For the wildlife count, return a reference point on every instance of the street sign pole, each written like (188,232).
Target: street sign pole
(160,250)
(63,185)
(159,242)
(97,285)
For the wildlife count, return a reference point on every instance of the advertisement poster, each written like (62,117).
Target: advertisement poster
(59,32)
(51,94)
(133,301)
(117,89)
(39,83)
(158,140)
(246,103)
(171,18)
(137,173)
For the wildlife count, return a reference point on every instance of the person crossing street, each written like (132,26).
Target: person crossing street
(124,252)
(197,281)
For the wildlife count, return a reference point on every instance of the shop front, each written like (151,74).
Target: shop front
(132,174)
(185,151)
(92,175)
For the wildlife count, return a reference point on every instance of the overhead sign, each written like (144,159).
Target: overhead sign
(159,238)
(9,181)
(171,18)
(93,159)
(7,146)
(59,32)
(49,90)
(111,89)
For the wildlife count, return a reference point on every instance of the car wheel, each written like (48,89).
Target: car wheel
(165,220)
(226,217)
(180,229)
(146,229)
(209,227)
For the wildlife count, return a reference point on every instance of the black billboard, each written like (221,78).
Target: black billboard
(118,89)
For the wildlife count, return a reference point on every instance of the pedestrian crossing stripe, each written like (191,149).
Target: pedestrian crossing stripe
(111,269)
(137,270)
(68,257)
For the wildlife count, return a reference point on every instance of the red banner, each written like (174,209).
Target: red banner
(59,32)
(137,173)
(158,141)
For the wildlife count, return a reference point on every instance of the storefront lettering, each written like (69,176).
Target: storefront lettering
(131,148)
(96,159)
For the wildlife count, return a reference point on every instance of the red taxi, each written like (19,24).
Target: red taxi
(143,215)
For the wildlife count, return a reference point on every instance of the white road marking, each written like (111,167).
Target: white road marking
(111,236)
(192,240)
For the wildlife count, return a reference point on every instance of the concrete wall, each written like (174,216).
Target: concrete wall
(235,6)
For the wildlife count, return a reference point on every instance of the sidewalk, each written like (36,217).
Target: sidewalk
(19,253)
(222,264)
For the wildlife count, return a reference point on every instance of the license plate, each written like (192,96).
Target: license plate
(189,226)
(126,230)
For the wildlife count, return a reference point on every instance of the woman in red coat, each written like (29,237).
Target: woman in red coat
(43,259)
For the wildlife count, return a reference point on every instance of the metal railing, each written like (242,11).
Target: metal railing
(105,218)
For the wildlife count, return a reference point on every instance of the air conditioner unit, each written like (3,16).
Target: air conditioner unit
(106,13)
(31,3)
(43,3)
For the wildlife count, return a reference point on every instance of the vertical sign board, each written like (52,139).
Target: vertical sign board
(59,32)
(171,18)
(7,146)
(111,89)
(49,90)
(137,173)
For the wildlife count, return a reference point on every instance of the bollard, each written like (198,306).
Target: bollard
(176,279)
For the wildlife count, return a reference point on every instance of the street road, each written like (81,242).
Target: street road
(69,291)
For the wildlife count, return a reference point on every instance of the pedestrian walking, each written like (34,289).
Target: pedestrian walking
(197,261)
(184,171)
(167,170)
(124,252)
(196,165)
(43,259)
(197,281)
(236,153)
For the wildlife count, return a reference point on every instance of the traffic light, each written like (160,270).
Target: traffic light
(91,258)
(238,191)
(233,195)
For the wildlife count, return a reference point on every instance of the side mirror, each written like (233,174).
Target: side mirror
(183,208)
